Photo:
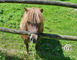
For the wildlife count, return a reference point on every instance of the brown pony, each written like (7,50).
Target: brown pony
(32,21)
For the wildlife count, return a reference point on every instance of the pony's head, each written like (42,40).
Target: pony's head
(34,22)
(34,37)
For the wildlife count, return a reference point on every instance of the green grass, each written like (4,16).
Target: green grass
(57,20)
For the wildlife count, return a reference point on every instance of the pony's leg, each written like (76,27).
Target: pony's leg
(27,46)
(26,40)
(37,44)
(36,47)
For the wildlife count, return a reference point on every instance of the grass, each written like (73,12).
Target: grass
(57,20)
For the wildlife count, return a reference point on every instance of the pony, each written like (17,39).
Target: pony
(32,21)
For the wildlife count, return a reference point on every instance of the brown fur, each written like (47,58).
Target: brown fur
(32,16)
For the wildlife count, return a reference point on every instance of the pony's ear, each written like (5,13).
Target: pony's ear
(25,9)
(41,10)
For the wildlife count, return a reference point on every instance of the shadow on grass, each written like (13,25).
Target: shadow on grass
(50,49)
(4,56)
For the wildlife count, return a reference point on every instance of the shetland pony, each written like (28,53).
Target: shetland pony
(32,21)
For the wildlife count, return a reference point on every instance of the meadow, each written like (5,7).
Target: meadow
(57,20)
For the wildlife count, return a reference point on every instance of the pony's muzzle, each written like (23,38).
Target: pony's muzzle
(34,38)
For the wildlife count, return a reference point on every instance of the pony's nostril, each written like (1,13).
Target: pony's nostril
(33,40)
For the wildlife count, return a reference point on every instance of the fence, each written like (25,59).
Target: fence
(53,36)
(57,3)
(12,45)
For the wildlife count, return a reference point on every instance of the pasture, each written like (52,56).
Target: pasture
(57,20)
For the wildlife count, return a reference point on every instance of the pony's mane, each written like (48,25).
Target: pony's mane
(34,16)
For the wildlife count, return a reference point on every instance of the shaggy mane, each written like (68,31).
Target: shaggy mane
(33,16)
